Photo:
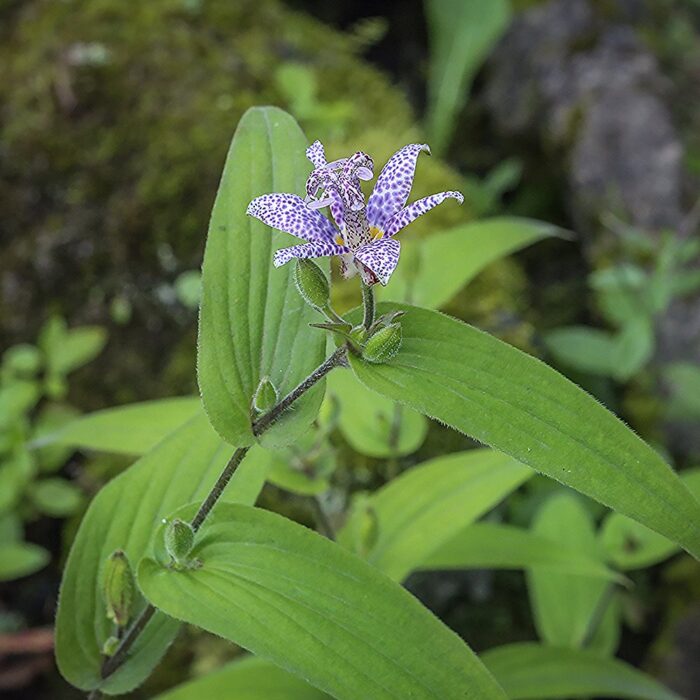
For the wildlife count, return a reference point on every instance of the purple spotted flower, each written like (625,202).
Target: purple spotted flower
(363,234)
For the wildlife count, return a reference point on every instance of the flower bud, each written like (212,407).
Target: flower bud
(312,283)
(365,526)
(384,344)
(265,396)
(110,646)
(179,539)
(118,588)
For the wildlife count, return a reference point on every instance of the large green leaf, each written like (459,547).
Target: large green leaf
(462,33)
(124,515)
(443,263)
(248,679)
(517,404)
(371,424)
(295,598)
(630,545)
(427,505)
(133,429)
(564,604)
(532,672)
(496,546)
(253,322)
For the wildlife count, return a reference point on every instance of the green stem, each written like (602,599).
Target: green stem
(111,664)
(368,303)
(598,614)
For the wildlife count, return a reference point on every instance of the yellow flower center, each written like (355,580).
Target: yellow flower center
(376,233)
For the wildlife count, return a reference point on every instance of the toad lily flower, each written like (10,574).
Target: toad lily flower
(363,235)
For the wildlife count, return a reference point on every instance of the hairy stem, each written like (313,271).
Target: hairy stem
(368,304)
(338,358)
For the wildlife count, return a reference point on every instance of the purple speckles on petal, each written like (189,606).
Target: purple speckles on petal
(418,208)
(381,257)
(307,250)
(394,184)
(289,213)
(316,154)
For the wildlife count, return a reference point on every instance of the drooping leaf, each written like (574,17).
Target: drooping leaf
(373,425)
(295,598)
(133,429)
(253,323)
(248,679)
(564,604)
(124,515)
(19,559)
(532,672)
(462,33)
(495,546)
(426,506)
(517,404)
(630,545)
(445,262)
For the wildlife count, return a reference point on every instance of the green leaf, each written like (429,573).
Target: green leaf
(66,350)
(462,33)
(532,672)
(629,545)
(253,322)
(16,471)
(447,261)
(590,350)
(495,546)
(56,497)
(124,515)
(373,425)
(563,604)
(295,598)
(133,429)
(517,404)
(17,398)
(684,379)
(248,679)
(634,347)
(19,559)
(52,417)
(427,505)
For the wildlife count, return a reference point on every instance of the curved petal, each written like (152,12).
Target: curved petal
(418,208)
(381,257)
(288,212)
(394,184)
(307,250)
(316,154)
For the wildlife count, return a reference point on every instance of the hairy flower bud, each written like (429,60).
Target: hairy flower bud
(384,344)
(110,646)
(265,395)
(118,587)
(179,539)
(312,284)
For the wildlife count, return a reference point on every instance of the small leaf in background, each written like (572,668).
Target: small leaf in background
(133,429)
(19,559)
(634,347)
(373,425)
(445,262)
(124,515)
(564,604)
(325,618)
(494,546)
(17,397)
(188,288)
(22,360)
(585,349)
(684,379)
(427,505)
(462,33)
(67,349)
(51,418)
(532,672)
(16,471)
(253,322)
(249,678)
(630,545)
(517,404)
(56,497)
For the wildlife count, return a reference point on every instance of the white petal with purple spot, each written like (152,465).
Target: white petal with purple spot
(381,257)
(307,250)
(418,208)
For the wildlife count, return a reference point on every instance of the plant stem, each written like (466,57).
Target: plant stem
(322,520)
(368,303)
(598,614)
(112,663)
